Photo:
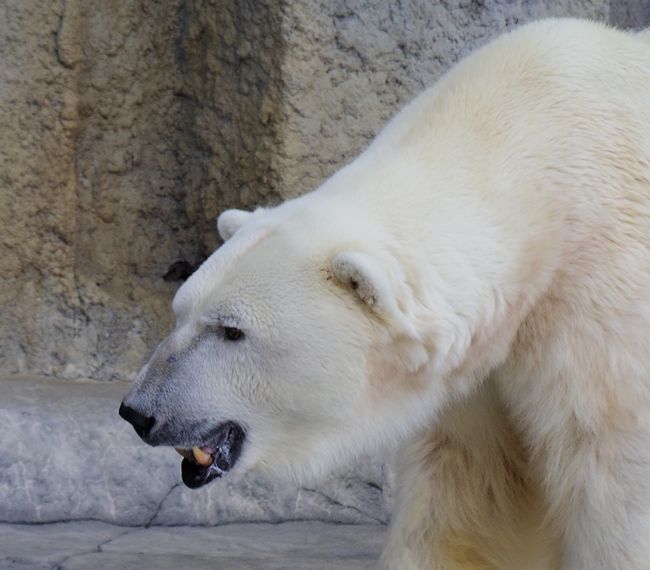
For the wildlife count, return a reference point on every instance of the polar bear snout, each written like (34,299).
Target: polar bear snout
(171,405)
(142,424)
(159,420)
(207,455)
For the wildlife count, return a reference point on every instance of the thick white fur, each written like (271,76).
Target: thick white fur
(475,288)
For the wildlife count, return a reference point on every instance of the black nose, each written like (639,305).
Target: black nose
(141,423)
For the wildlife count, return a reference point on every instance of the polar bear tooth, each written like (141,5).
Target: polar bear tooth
(201,457)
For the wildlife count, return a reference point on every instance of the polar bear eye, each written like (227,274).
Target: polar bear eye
(232,334)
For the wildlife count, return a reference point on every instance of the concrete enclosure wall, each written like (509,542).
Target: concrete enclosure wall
(127,126)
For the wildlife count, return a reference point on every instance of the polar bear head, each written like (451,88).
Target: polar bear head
(295,348)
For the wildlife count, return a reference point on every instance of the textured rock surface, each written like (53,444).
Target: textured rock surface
(87,159)
(66,455)
(128,126)
(39,118)
(288,546)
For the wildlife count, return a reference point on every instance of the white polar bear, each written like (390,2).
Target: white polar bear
(473,289)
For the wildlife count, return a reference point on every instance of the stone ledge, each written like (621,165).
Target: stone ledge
(66,455)
(287,546)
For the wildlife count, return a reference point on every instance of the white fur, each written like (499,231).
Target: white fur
(498,232)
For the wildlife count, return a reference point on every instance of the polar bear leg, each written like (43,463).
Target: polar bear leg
(602,496)
(592,541)
(464,498)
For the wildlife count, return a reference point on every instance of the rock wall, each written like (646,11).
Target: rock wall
(38,189)
(128,126)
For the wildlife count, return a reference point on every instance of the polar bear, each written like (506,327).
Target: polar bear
(474,291)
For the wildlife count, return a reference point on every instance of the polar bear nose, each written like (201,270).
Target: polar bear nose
(141,423)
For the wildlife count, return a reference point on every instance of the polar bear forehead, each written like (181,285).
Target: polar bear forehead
(245,270)
(292,241)
(193,293)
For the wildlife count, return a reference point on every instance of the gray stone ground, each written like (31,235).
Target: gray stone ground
(101,546)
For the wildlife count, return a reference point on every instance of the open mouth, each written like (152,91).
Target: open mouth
(213,458)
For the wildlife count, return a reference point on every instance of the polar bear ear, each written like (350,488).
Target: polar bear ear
(373,284)
(385,292)
(364,276)
(230,221)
